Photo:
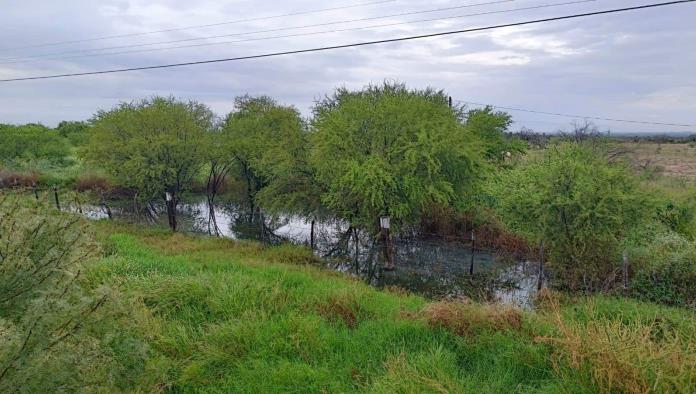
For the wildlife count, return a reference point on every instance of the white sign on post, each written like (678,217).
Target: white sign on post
(384,222)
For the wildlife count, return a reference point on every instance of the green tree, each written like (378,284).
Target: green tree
(388,150)
(153,146)
(490,127)
(582,206)
(29,143)
(75,131)
(259,133)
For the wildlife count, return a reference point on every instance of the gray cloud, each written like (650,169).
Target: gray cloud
(636,65)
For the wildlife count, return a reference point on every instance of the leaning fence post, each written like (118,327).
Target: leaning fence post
(36,191)
(55,194)
(625,269)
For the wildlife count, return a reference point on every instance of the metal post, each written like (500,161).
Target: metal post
(473,253)
(540,282)
(389,264)
(55,194)
(263,240)
(625,269)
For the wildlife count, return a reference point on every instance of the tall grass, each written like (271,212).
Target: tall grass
(217,315)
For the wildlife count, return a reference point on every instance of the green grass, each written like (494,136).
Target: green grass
(222,316)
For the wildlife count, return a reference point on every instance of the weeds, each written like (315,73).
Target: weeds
(625,357)
(466,319)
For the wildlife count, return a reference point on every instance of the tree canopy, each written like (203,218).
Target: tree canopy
(152,145)
(263,137)
(388,150)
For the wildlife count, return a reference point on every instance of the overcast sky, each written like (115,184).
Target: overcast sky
(636,65)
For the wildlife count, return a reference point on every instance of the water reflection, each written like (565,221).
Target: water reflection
(431,267)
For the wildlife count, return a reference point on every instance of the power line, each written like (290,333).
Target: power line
(310,33)
(357,44)
(201,26)
(9,60)
(579,116)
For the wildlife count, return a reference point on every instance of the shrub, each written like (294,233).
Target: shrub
(665,271)
(10,179)
(467,319)
(581,205)
(94,183)
(46,316)
(32,142)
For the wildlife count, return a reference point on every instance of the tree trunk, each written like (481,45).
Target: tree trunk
(387,250)
(171,211)
(311,235)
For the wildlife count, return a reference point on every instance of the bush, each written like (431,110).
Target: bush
(581,205)
(665,271)
(30,143)
(47,333)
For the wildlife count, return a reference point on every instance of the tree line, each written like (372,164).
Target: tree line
(408,154)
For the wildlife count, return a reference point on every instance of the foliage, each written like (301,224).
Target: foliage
(29,144)
(387,150)
(580,205)
(665,270)
(74,131)
(46,317)
(490,128)
(152,146)
(265,139)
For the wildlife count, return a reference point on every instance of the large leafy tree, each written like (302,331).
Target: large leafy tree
(153,146)
(389,150)
(581,205)
(263,138)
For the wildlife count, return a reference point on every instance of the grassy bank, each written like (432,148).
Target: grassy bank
(222,316)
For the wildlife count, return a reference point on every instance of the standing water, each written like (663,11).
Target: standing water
(433,268)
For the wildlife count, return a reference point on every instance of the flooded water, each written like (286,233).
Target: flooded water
(431,267)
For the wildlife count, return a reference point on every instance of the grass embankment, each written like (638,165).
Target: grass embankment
(222,316)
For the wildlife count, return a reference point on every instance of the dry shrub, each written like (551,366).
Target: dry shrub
(93,183)
(343,308)
(18,179)
(468,319)
(548,300)
(623,357)
(396,290)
